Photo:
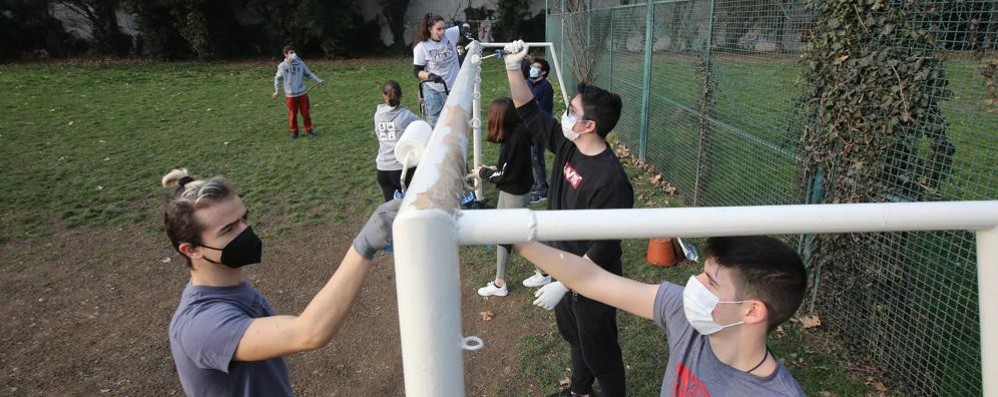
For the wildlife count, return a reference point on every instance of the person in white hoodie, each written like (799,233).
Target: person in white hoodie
(390,121)
(293,72)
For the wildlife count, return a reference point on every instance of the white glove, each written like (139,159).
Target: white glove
(515,52)
(549,295)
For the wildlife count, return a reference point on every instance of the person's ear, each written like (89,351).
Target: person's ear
(755,312)
(588,126)
(189,250)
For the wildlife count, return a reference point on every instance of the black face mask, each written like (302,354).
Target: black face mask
(243,250)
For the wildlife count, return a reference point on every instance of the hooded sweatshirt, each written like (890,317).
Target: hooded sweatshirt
(389,124)
(293,73)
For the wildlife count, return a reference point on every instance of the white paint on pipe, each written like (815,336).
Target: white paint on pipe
(987,287)
(426,254)
(520,225)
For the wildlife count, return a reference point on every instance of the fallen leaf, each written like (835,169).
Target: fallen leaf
(70,123)
(809,321)
(100,187)
(879,386)
(486,315)
(165,260)
(565,382)
(656,178)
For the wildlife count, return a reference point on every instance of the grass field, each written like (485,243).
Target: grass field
(83,148)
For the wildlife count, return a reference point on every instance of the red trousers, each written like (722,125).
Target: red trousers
(295,105)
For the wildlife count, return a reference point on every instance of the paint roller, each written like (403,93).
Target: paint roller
(411,146)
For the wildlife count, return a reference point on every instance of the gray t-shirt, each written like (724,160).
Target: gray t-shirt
(389,124)
(204,334)
(439,57)
(694,370)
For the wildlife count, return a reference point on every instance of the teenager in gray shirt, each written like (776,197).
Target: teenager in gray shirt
(717,325)
(225,338)
(390,121)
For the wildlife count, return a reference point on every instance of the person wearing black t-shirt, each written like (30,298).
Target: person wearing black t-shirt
(511,175)
(586,174)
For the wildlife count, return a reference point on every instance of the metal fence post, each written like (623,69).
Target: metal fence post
(706,99)
(609,79)
(987,278)
(646,93)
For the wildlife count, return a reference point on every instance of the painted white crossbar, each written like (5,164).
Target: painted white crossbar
(522,225)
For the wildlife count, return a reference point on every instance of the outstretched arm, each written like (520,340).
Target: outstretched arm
(276,336)
(587,278)
(518,88)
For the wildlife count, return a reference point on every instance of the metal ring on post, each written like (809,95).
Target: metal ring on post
(472,343)
(477,95)
(476,123)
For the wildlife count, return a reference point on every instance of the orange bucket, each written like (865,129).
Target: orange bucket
(663,252)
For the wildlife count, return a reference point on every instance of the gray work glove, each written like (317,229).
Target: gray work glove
(377,232)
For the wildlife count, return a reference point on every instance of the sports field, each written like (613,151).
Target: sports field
(89,281)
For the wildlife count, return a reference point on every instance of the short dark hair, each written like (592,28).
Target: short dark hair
(288,48)
(545,66)
(601,106)
(763,268)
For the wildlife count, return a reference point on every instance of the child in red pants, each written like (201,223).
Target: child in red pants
(293,72)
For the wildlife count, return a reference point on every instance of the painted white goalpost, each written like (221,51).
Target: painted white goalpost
(430,226)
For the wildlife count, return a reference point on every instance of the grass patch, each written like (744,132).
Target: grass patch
(85,147)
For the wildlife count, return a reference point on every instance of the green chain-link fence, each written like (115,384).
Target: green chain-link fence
(712,94)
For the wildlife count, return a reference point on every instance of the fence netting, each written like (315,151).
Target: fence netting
(712,97)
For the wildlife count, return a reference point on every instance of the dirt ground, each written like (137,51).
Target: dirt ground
(86,313)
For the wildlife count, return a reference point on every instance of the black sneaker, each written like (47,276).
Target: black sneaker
(294,134)
(311,134)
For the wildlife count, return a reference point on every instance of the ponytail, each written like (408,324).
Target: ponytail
(393,91)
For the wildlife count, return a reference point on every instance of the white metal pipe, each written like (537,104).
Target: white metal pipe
(520,225)
(987,292)
(426,253)
(554,59)
(476,125)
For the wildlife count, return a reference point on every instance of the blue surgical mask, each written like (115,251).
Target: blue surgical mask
(293,57)
(534,72)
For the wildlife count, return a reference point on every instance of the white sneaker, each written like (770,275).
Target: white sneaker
(537,280)
(490,289)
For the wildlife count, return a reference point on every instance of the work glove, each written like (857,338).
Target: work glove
(377,232)
(549,295)
(515,52)
(435,78)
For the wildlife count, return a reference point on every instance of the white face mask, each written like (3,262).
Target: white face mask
(534,72)
(293,57)
(567,122)
(699,303)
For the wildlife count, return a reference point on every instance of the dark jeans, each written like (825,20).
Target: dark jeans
(390,182)
(590,327)
(540,170)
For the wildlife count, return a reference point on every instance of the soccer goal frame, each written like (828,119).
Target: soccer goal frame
(431,226)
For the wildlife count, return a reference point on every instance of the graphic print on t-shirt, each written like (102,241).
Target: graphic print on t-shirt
(442,54)
(387,131)
(572,176)
(688,385)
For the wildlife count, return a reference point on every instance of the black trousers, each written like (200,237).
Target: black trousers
(590,327)
(390,182)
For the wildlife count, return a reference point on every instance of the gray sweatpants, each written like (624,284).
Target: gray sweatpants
(507,200)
